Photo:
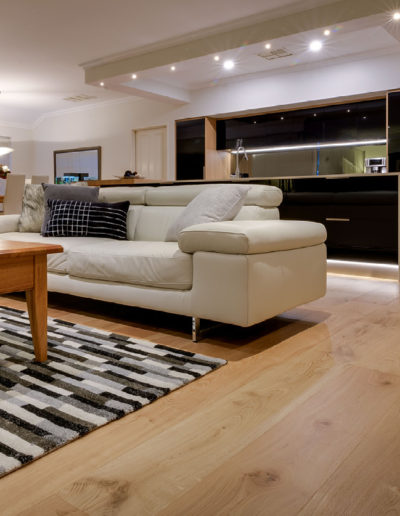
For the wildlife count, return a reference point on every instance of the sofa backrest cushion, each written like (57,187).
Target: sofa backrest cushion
(180,195)
(135,194)
(265,196)
(153,221)
(132,218)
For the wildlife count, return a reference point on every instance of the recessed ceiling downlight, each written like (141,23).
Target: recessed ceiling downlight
(229,64)
(216,58)
(173,68)
(315,46)
(134,76)
(327,32)
(396,16)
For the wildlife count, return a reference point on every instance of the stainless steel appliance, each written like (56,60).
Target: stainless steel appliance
(375,166)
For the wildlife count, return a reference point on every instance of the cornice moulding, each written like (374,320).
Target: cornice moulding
(15,125)
(88,107)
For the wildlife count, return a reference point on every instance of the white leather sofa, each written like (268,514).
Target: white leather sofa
(239,272)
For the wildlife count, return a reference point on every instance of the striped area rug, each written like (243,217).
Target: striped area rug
(91,377)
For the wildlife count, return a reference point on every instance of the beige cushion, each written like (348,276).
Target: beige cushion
(180,195)
(222,202)
(257,213)
(132,220)
(154,221)
(32,214)
(251,237)
(57,262)
(264,195)
(158,264)
(133,194)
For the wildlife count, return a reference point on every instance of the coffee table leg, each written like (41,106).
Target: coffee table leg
(37,307)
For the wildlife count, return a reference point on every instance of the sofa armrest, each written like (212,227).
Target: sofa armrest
(251,236)
(9,223)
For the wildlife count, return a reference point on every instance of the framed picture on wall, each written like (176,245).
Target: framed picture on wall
(72,165)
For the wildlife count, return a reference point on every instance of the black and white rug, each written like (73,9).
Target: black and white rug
(91,377)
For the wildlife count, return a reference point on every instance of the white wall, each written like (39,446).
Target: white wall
(111,125)
(108,125)
(21,140)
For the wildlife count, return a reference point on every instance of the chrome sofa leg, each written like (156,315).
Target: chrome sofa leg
(195,329)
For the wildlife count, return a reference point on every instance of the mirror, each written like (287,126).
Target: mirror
(73,165)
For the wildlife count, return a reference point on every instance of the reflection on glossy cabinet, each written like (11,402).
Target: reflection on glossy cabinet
(196,151)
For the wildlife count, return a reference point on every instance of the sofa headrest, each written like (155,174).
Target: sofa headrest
(180,195)
(134,194)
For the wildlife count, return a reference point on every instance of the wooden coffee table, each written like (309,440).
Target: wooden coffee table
(23,266)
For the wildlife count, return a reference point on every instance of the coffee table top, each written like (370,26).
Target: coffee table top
(15,248)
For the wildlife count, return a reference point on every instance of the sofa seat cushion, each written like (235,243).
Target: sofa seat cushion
(58,262)
(152,264)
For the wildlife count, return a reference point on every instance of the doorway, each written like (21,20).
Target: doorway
(151,152)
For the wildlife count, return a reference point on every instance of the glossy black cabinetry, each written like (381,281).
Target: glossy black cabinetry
(394,131)
(337,123)
(190,149)
(360,214)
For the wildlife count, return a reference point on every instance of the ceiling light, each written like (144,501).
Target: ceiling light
(229,64)
(315,46)
(268,46)
(327,32)
(173,68)
(102,84)
(282,118)
(315,146)
(396,16)
(315,114)
(348,110)
(134,76)
(216,58)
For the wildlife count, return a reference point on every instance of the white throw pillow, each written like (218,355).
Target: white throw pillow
(211,205)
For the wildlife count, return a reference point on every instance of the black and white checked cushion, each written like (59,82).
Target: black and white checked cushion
(78,218)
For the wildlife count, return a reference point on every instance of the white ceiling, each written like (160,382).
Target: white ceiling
(344,42)
(43,44)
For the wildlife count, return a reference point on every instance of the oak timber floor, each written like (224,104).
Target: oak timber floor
(304,419)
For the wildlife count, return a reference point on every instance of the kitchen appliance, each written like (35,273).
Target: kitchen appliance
(375,166)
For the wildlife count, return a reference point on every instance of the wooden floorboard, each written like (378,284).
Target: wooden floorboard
(303,419)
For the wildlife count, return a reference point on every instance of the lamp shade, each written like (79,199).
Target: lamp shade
(4,149)
(5,145)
